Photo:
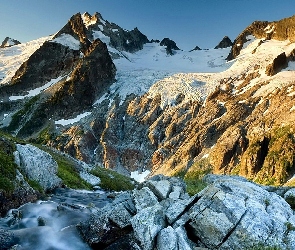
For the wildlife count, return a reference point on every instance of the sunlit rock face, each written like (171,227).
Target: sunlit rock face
(138,112)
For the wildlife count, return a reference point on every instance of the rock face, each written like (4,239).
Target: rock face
(230,213)
(38,166)
(170,46)
(279,30)
(8,42)
(196,48)
(224,43)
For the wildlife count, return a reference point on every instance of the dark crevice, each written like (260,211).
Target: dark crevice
(188,207)
(264,150)
(232,230)
(190,233)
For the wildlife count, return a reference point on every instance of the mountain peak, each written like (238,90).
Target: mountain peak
(224,43)
(8,42)
(170,45)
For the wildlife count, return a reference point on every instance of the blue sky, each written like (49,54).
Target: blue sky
(187,22)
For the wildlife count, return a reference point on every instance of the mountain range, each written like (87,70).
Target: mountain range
(111,97)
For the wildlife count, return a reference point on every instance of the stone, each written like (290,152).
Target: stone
(175,210)
(176,192)
(146,225)
(7,239)
(167,239)
(233,213)
(289,196)
(120,216)
(279,63)
(39,166)
(144,198)
(160,188)
(184,243)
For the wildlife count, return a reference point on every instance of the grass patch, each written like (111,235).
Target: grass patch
(36,186)
(7,166)
(67,171)
(194,177)
(44,136)
(17,118)
(111,180)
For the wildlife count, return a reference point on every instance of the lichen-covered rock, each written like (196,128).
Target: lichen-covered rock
(234,213)
(38,166)
(146,225)
(167,239)
(160,188)
(144,198)
(7,239)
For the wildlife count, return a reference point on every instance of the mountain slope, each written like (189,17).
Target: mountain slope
(117,100)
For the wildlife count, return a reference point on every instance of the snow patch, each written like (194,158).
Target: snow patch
(140,177)
(65,122)
(67,40)
(36,91)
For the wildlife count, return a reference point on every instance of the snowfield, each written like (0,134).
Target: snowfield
(11,58)
(193,74)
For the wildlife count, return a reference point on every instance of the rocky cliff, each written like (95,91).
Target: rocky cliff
(237,120)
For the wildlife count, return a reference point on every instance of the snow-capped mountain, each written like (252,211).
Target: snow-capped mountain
(8,42)
(112,97)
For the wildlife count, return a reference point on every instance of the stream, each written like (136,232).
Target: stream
(51,224)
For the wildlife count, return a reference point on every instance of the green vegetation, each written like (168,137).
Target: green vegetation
(278,165)
(290,226)
(7,168)
(44,136)
(194,177)
(112,180)
(18,116)
(67,171)
(36,186)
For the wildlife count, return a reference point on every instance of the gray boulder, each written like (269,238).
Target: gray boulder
(147,223)
(7,239)
(144,198)
(167,239)
(38,166)
(235,214)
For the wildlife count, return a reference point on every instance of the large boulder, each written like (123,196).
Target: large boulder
(233,213)
(38,166)
(230,213)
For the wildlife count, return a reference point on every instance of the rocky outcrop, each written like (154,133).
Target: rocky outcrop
(7,239)
(38,166)
(256,29)
(37,70)
(196,48)
(76,28)
(279,63)
(224,43)
(229,213)
(8,42)
(279,30)
(170,46)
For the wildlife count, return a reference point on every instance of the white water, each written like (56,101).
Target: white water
(52,224)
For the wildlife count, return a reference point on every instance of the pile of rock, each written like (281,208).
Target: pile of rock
(230,213)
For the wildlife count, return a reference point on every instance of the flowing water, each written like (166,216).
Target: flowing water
(51,224)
